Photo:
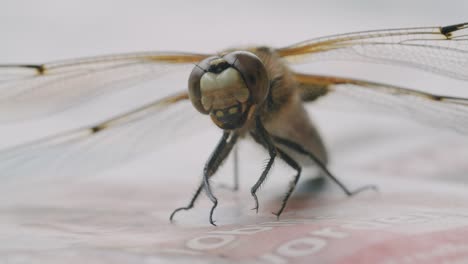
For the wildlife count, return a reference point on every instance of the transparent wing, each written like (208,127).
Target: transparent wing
(105,144)
(28,91)
(443,50)
(340,93)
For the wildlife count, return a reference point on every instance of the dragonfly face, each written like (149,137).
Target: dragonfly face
(226,87)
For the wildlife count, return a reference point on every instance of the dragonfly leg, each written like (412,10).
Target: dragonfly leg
(296,147)
(191,203)
(220,153)
(262,137)
(291,162)
(292,185)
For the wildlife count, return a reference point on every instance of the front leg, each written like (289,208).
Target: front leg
(264,138)
(220,153)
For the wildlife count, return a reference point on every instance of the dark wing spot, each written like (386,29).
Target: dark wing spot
(449,29)
(97,128)
(41,69)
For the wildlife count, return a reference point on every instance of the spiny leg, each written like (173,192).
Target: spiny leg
(216,153)
(217,157)
(291,162)
(210,168)
(262,137)
(294,146)
(220,153)
(292,185)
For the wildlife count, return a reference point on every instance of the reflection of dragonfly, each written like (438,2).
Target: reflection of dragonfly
(246,92)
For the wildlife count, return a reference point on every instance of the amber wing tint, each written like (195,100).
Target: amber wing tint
(28,91)
(105,144)
(443,50)
(439,111)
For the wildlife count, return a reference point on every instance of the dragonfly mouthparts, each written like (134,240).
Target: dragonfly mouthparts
(229,118)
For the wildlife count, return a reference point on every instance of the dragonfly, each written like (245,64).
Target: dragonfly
(246,92)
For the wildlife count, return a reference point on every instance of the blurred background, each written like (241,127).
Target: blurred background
(363,147)
(50,30)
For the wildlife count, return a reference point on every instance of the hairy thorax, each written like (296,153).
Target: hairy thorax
(283,112)
(283,93)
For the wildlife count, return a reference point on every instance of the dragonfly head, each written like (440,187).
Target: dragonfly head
(225,87)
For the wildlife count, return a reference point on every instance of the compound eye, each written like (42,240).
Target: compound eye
(253,72)
(194,84)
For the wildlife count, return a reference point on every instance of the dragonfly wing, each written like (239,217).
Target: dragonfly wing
(336,92)
(442,50)
(28,91)
(105,144)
